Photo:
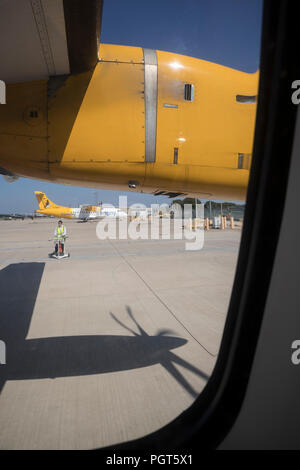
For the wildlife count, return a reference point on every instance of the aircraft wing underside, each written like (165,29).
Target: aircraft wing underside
(42,38)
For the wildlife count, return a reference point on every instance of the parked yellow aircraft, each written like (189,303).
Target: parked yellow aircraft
(84,212)
(118,117)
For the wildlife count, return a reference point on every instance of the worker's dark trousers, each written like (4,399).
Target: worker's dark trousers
(62,247)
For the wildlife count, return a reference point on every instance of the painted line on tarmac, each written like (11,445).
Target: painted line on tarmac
(161,301)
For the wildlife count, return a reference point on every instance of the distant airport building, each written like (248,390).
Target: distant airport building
(137,210)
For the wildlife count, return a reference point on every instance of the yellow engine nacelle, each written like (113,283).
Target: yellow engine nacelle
(143,120)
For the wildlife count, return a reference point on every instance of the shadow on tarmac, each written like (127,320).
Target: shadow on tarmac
(68,356)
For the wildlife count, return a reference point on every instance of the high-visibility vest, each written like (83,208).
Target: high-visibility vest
(60,230)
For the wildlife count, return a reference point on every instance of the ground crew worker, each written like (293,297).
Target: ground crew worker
(60,232)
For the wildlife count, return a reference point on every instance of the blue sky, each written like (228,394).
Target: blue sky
(222,31)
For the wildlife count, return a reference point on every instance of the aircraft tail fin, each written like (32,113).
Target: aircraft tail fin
(43,201)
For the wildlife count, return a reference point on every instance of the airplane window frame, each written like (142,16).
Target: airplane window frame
(208,420)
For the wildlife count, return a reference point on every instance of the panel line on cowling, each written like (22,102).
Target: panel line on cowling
(150,60)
